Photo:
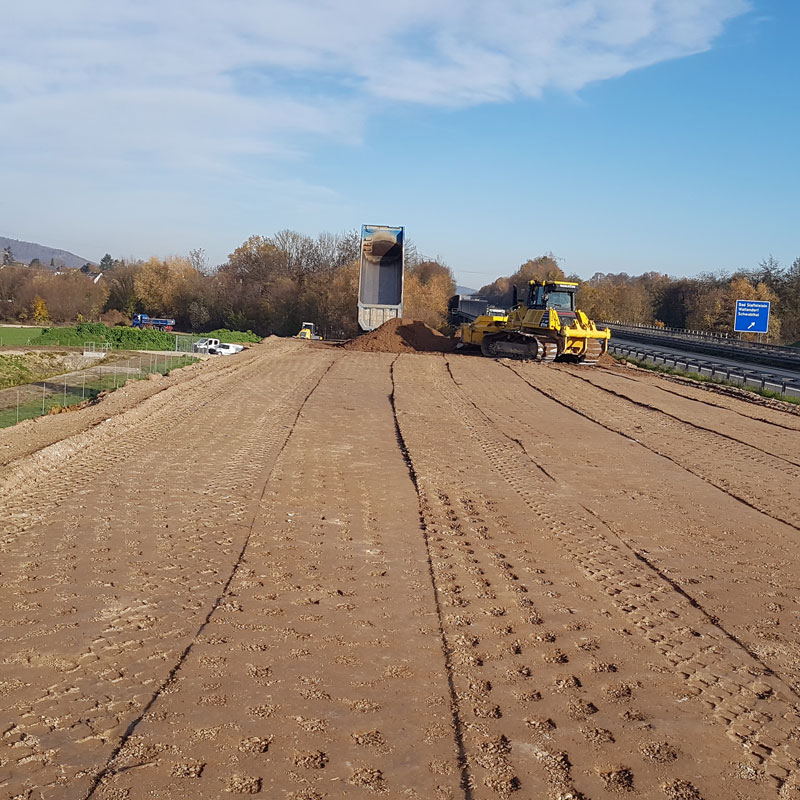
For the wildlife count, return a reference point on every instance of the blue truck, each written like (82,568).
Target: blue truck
(143,321)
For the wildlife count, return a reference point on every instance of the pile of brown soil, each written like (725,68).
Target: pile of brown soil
(402,336)
(606,360)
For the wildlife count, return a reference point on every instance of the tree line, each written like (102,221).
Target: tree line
(273,284)
(267,285)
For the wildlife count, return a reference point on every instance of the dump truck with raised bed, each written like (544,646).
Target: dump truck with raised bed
(380,281)
(545,327)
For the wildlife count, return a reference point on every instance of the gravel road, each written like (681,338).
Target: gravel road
(309,572)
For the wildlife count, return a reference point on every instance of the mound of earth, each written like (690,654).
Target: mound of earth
(402,336)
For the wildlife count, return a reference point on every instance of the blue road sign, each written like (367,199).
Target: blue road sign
(752,316)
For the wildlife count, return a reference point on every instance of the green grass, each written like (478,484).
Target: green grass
(665,370)
(11,337)
(121,338)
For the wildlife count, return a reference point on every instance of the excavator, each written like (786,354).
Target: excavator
(545,327)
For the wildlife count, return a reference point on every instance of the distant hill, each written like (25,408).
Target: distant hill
(465,290)
(25,252)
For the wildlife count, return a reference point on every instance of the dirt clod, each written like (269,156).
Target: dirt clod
(255,744)
(369,778)
(616,779)
(660,752)
(681,790)
(243,784)
(310,759)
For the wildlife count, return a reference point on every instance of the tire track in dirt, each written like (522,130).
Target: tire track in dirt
(782,447)
(131,728)
(693,601)
(740,564)
(745,404)
(758,709)
(738,470)
(131,601)
(455,715)
(320,674)
(548,680)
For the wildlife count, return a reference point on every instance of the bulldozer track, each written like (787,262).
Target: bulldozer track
(693,390)
(716,431)
(577,535)
(722,681)
(763,562)
(455,712)
(310,618)
(153,628)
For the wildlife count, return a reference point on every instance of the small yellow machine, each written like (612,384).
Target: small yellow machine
(545,327)
(308,331)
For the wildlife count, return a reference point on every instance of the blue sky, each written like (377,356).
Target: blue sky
(621,135)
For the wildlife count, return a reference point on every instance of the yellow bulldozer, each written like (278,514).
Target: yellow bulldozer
(545,327)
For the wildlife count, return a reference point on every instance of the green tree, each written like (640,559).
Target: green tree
(8,256)
(106,262)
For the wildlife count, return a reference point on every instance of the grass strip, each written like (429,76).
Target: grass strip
(11,336)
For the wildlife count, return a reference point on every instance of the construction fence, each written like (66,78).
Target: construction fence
(51,395)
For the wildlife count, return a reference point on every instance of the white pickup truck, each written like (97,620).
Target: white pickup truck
(214,347)
(224,349)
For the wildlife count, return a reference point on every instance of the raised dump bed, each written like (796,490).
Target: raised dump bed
(380,284)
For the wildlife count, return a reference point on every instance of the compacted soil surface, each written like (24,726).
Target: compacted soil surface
(313,572)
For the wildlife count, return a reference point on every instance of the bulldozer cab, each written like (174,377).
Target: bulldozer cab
(552,294)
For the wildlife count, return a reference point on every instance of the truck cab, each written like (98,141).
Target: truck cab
(559,295)
(208,346)
(546,295)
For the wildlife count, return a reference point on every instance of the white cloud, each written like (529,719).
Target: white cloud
(201,84)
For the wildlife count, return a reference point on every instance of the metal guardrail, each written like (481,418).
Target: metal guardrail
(635,326)
(788,387)
(769,355)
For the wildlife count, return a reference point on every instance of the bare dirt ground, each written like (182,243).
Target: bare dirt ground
(311,572)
